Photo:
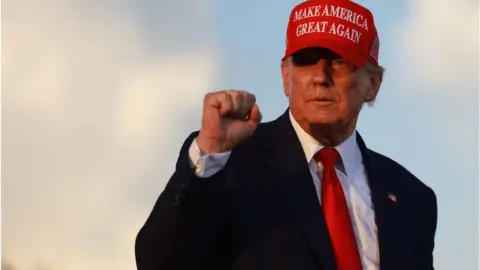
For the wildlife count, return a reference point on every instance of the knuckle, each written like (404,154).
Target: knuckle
(227,97)
(233,94)
(242,94)
(207,97)
(221,96)
(245,97)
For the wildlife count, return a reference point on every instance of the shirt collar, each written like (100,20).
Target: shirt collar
(346,149)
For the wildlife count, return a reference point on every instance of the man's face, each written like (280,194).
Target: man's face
(324,89)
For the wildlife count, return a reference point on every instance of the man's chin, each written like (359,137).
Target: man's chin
(323,118)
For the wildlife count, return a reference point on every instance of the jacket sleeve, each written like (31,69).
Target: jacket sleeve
(186,228)
(432,213)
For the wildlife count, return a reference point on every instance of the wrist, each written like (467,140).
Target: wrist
(209,145)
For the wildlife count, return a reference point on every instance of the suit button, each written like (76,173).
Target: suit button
(176,200)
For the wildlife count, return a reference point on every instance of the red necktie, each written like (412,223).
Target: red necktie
(336,213)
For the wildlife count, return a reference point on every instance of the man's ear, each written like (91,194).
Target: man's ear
(374,87)
(284,66)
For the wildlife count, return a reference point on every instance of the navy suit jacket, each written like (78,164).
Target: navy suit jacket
(261,212)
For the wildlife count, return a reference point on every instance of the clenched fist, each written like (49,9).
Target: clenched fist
(229,117)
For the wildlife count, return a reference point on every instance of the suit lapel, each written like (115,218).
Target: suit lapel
(291,176)
(386,211)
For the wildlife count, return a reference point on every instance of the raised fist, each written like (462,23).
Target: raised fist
(229,117)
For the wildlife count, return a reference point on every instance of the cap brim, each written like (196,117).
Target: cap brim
(343,49)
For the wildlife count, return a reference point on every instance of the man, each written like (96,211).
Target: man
(303,191)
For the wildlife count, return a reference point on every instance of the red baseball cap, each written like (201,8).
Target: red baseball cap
(342,26)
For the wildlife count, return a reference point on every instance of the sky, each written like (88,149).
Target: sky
(99,95)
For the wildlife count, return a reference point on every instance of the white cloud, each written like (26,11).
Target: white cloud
(93,106)
(434,72)
(438,42)
(437,67)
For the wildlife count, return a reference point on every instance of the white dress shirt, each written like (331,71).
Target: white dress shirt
(350,172)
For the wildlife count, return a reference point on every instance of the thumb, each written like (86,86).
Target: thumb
(254,117)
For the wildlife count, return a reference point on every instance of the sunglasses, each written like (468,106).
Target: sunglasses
(310,56)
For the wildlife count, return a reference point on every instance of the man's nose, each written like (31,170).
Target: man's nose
(322,73)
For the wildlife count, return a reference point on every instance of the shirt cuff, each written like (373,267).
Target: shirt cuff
(206,165)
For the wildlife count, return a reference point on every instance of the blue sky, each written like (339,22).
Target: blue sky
(95,112)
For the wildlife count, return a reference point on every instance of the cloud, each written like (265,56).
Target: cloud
(97,98)
(434,68)
(438,42)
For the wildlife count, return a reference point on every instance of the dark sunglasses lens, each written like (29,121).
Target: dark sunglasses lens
(306,57)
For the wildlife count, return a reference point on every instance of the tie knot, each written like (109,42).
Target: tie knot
(328,156)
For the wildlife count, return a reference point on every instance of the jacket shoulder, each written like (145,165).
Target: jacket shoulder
(402,176)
